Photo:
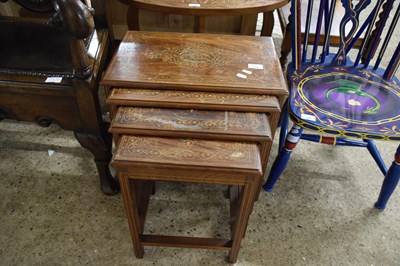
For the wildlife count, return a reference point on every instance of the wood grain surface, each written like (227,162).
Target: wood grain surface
(188,152)
(204,62)
(193,100)
(191,121)
(208,7)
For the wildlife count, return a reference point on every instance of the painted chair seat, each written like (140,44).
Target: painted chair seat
(345,101)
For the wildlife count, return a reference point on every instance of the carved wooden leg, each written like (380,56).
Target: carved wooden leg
(268,24)
(100,147)
(390,182)
(286,44)
(283,157)
(133,18)
(199,24)
(131,208)
(283,123)
(248,193)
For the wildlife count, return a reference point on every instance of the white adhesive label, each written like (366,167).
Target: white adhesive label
(255,66)
(194,5)
(53,79)
(247,71)
(240,75)
(308,117)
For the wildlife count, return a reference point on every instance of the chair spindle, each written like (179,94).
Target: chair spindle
(388,37)
(376,35)
(296,33)
(367,36)
(325,50)
(318,30)
(393,65)
(307,29)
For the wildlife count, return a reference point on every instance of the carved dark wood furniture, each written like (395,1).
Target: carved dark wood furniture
(49,73)
(170,88)
(202,9)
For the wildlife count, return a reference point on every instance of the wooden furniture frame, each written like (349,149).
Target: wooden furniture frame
(231,163)
(167,87)
(157,63)
(49,73)
(200,63)
(206,8)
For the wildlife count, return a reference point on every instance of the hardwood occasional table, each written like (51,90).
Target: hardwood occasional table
(203,8)
(196,108)
(143,160)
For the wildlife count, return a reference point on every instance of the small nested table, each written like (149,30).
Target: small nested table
(196,108)
(143,160)
(203,8)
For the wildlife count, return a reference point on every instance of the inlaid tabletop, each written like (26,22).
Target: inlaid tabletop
(218,63)
(193,100)
(188,152)
(191,121)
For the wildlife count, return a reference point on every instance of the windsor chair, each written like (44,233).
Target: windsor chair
(350,94)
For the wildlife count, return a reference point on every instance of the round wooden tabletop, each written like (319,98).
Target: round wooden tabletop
(207,7)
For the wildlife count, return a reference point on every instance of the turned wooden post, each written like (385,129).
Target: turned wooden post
(71,13)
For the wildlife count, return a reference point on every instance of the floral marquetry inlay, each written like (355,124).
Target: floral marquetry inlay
(203,62)
(194,99)
(197,55)
(142,146)
(222,97)
(187,151)
(223,122)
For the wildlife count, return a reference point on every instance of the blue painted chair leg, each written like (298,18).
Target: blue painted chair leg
(284,124)
(390,182)
(283,157)
(373,150)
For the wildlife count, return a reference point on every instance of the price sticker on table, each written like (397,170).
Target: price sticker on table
(240,75)
(255,66)
(53,80)
(247,71)
(308,117)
